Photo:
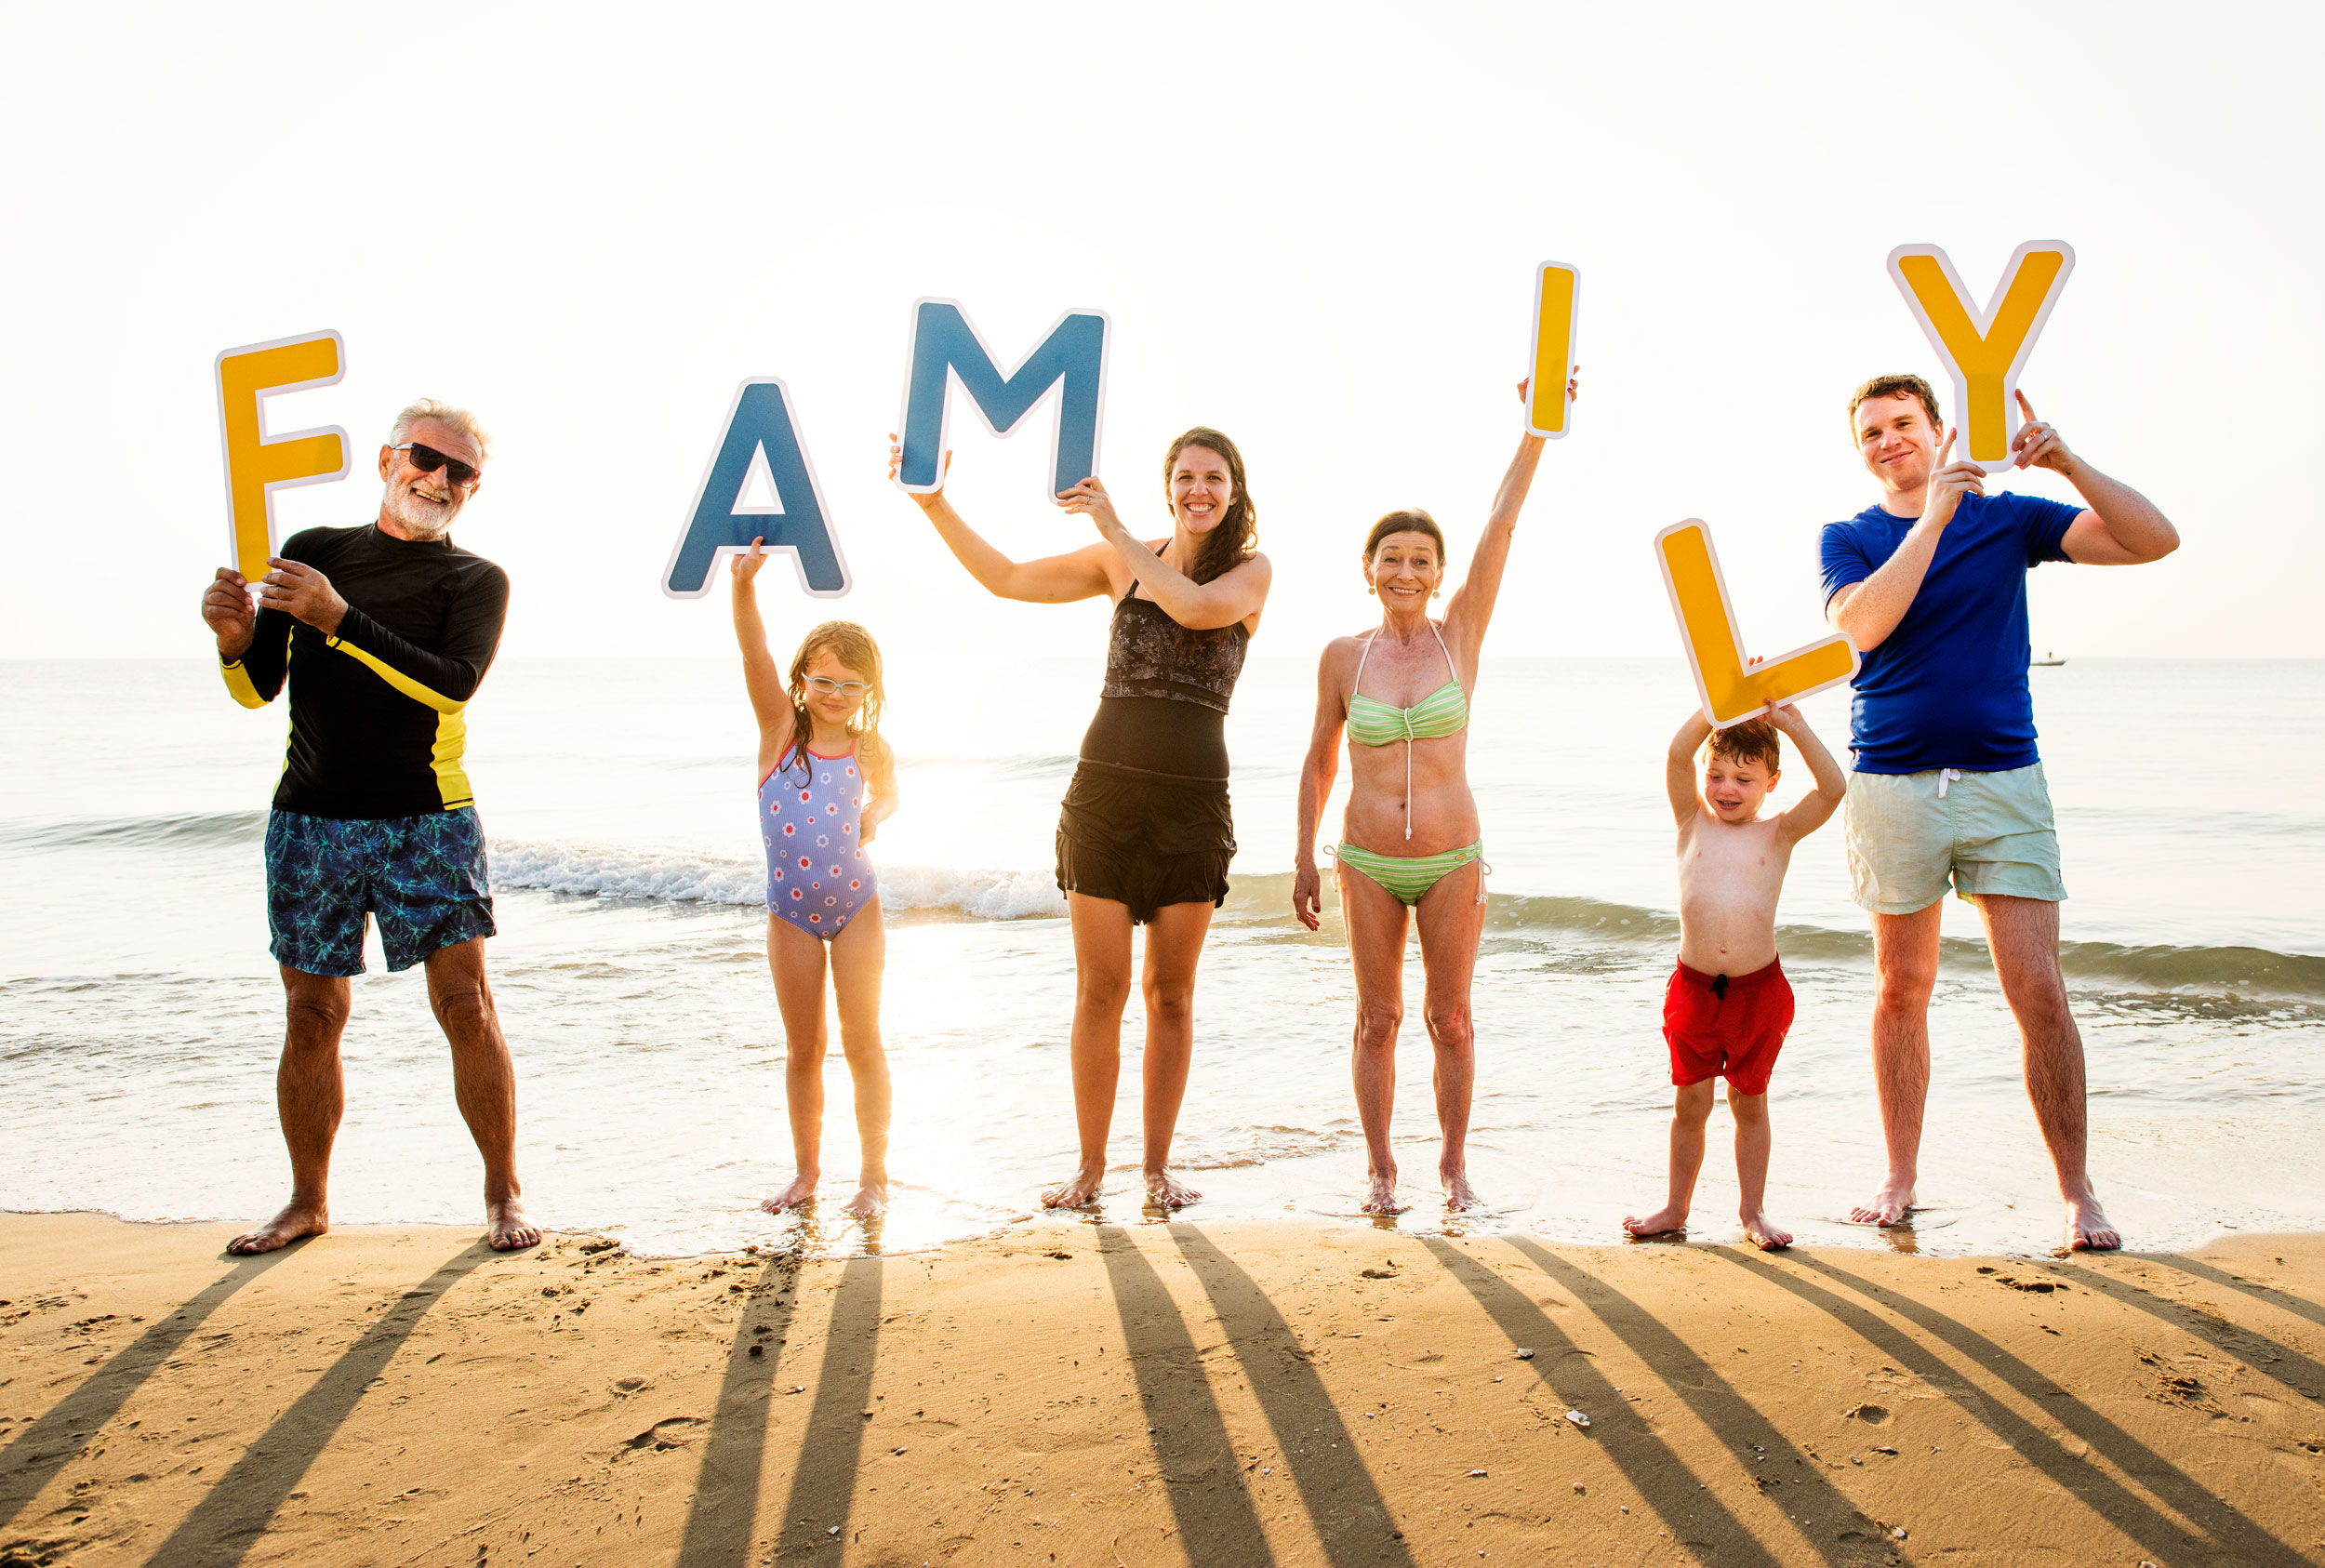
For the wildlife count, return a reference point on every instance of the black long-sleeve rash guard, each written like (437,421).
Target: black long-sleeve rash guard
(377,727)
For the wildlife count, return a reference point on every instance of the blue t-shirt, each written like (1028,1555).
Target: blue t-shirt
(1948,688)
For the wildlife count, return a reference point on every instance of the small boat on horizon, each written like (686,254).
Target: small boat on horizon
(2049,659)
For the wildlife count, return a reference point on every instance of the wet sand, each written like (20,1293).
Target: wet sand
(1141,1394)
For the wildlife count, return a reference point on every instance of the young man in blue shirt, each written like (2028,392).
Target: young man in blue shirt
(1931,584)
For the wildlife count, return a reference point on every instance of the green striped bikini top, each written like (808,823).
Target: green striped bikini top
(1442,712)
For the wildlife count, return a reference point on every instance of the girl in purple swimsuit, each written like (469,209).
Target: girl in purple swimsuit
(826,782)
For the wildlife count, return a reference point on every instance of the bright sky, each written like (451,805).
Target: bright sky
(1313,227)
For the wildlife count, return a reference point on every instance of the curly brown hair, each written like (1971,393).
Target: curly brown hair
(1754,741)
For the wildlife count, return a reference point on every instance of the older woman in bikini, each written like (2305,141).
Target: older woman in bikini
(1411,849)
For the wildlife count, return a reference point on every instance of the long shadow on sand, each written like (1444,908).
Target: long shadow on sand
(2269,1357)
(2160,1535)
(41,1449)
(2284,1301)
(823,1484)
(1849,1536)
(1698,1520)
(232,1515)
(723,1514)
(1350,1516)
(1212,1510)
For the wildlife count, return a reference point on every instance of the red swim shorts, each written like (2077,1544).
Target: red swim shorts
(1729,1026)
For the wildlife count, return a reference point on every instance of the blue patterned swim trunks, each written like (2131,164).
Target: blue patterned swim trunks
(422,876)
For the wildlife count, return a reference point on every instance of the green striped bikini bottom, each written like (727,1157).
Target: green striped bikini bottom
(1408,877)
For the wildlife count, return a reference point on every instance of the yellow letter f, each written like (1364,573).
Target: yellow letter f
(257,465)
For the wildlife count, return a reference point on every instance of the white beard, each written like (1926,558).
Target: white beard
(424,522)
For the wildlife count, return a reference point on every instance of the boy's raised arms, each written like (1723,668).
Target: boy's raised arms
(1815,809)
(1678,768)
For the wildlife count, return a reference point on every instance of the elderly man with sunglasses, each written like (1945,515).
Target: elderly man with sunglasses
(383,633)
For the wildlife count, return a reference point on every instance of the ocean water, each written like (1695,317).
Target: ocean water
(140,1015)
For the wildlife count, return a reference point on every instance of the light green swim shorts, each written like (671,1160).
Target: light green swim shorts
(1910,833)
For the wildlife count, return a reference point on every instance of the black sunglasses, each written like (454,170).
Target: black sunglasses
(428,460)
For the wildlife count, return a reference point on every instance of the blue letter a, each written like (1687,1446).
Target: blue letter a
(759,434)
(943,342)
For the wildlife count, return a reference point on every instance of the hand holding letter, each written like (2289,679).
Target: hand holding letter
(746,567)
(1089,499)
(226,608)
(1950,484)
(896,465)
(2037,444)
(1574,386)
(301,591)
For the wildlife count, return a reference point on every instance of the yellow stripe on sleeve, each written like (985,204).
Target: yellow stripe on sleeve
(452,783)
(397,679)
(238,685)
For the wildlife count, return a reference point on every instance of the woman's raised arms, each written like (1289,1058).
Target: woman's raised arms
(1471,606)
(763,678)
(1053,579)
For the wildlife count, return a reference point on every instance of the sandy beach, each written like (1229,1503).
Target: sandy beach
(1150,1393)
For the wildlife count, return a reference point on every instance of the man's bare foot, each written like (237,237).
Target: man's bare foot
(2087,1229)
(1889,1206)
(1668,1220)
(507,1228)
(1076,1191)
(803,1187)
(871,1199)
(1766,1237)
(1380,1194)
(296,1220)
(1168,1190)
(1459,1194)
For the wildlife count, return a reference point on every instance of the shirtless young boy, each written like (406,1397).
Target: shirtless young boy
(1728,1006)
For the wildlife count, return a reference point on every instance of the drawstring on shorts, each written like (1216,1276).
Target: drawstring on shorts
(1946,776)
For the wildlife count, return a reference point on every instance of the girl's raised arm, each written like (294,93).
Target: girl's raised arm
(763,678)
(1471,606)
(1053,579)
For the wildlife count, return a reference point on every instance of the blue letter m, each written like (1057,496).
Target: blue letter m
(760,443)
(944,344)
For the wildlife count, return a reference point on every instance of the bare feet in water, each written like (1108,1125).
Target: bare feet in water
(1168,1190)
(1766,1237)
(1668,1220)
(872,1199)
(1076,1191)
(1459,1194)
(2087,1229)
(1380,1194)
(803,1187)
(1890,1205)
(297,1219)
(507,1228)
